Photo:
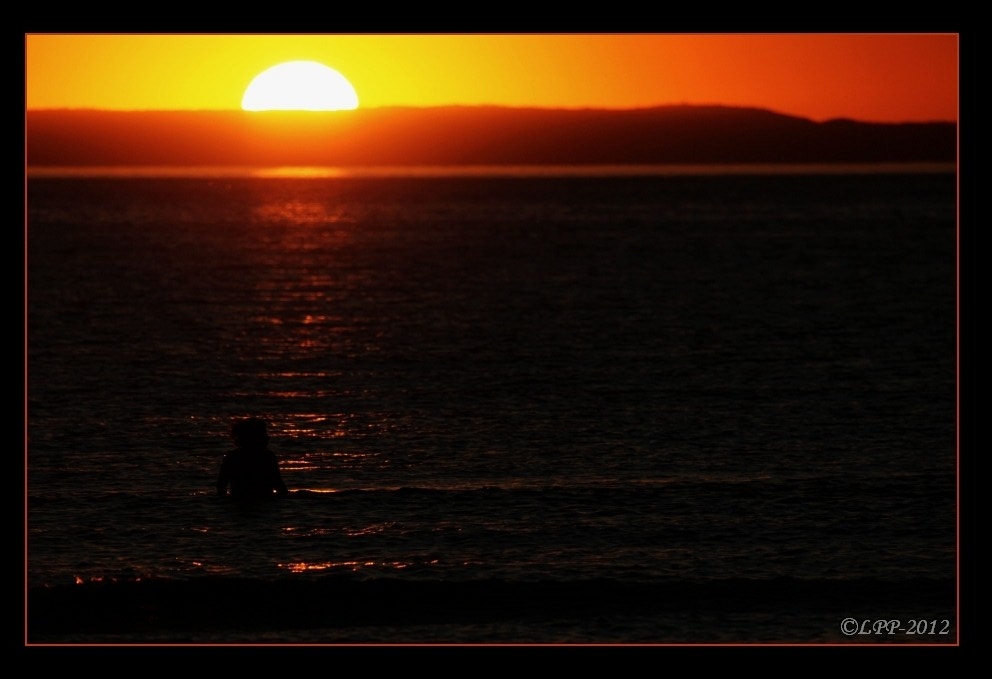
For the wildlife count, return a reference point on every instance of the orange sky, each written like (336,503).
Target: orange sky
(871,77)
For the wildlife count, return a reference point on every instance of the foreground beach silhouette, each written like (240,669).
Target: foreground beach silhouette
(251,470)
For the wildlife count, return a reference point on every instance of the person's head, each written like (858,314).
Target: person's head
(250,433)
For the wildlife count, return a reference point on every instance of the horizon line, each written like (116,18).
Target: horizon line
(478,170)
(507,107)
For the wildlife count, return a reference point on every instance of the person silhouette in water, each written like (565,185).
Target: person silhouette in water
(251,469)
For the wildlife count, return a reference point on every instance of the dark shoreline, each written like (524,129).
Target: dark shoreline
(473,136)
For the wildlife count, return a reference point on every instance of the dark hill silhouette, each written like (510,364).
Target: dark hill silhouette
(473,135)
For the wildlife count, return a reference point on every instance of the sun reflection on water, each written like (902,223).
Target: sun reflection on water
(298,212)
(354,566)
(374,529)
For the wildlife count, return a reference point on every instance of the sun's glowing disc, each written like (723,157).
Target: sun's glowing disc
(299,86)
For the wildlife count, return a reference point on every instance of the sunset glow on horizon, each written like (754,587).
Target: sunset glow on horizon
(868,77)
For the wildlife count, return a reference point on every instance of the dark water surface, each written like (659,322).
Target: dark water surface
(653,409)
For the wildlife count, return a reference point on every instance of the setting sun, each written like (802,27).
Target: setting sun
(299,86)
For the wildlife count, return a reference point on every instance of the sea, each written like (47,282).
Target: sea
(577,406)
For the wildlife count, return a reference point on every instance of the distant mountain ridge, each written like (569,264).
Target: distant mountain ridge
(473,135)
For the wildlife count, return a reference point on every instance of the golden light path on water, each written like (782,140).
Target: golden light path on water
(305,567)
